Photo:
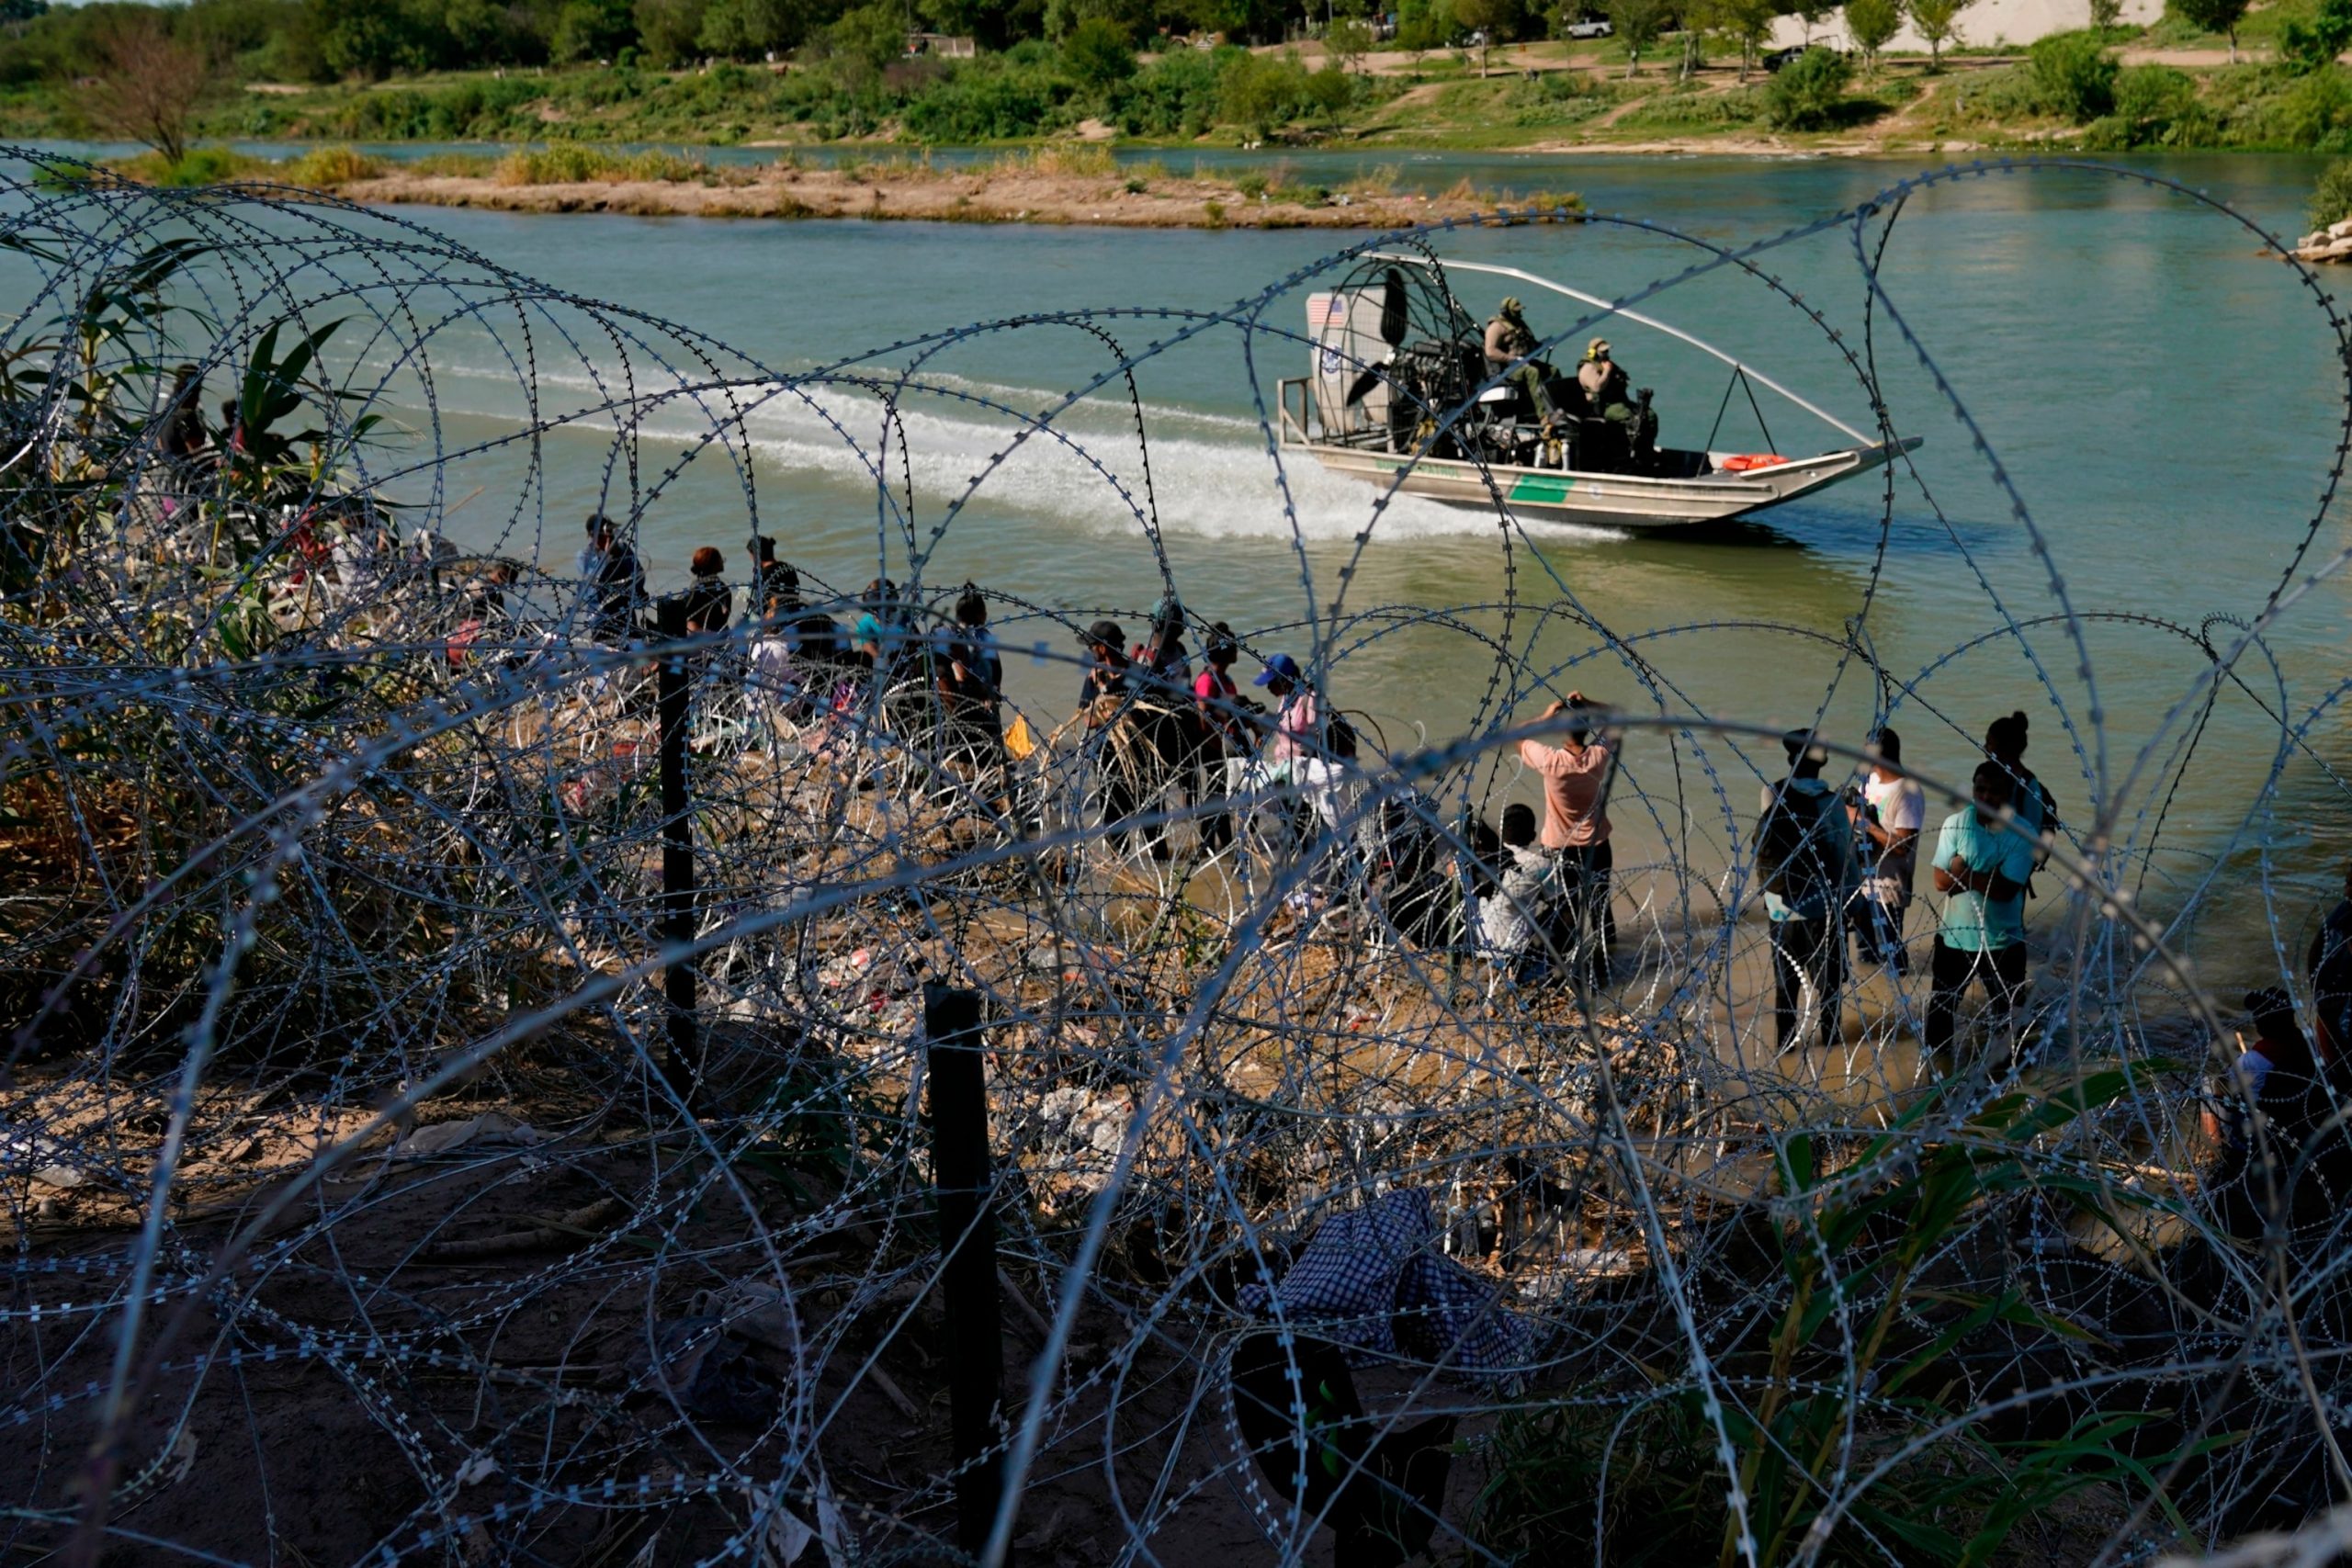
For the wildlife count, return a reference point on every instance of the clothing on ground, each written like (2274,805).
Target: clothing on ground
(1367,1271)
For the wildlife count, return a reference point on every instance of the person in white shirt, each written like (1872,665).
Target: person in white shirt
(773,682)
(1333,788)
(1887,822)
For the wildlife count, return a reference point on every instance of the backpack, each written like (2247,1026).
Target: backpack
(1796,852)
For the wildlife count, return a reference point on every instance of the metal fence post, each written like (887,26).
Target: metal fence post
(960,1145)
(673,691)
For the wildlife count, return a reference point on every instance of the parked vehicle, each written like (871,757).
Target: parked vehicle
(1590,27)
(1793,53)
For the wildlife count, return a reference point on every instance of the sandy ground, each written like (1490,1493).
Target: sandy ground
(938,196)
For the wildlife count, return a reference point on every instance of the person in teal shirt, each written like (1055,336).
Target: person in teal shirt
(1981,868)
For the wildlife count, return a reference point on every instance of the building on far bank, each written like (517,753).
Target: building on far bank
(1987,24)
(945,46)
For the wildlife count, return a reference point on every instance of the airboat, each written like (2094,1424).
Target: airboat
(1401,395)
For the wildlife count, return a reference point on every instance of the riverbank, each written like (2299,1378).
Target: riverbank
(1052,185)
(2109,92)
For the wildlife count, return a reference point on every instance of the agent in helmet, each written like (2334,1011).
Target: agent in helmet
(1607,394)
(1603,381)
(1509,343)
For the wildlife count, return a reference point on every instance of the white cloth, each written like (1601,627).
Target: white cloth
(1335,789)
(1506,917)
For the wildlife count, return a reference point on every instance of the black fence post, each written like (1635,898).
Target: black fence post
(960,1155)
(674,710)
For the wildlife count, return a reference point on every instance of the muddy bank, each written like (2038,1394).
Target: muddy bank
(943,196)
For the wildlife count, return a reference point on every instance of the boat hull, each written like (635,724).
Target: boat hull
(1614,500)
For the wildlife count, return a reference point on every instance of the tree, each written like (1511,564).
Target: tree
(1936,20)
(1487,18)
(746,30)
(1347,41)
(1698,17)
(1806,91)
(592,29)
(366,39)
(1097,53)
(2223,15)
(2073,75)
(1639,23)
(2315,47)
(1871,24)
(2105,14)
(873,35)
(669,31)
(149,83)
(1811,13)
(1749,23)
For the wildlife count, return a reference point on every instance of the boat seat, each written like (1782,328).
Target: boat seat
(1601,446)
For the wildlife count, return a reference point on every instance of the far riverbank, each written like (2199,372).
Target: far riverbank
(1050,186)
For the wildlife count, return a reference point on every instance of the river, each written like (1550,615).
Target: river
(2167,406)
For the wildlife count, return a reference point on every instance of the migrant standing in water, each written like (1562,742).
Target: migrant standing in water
(2036,807)
(1576,829)
(1981,868)
(1217,724)
(1886,823)
(1298,718)
(1804,852)
(969,675)
(774,586)
(709,600)
(620,585)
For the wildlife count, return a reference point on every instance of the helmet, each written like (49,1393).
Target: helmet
(1510,306)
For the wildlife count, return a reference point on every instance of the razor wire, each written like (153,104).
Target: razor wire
(366,1208)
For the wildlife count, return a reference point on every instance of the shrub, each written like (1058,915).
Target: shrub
(570,163)
(327,167)
(1176,94)
(1097,53)
(2073,75)
(2154,106)
(993,106)
(2331,197)
(1806,92)
(2314,45)
(2316,112)
(198,167)
(1261,91)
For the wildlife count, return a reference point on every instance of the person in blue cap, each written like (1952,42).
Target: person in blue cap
(1298,718)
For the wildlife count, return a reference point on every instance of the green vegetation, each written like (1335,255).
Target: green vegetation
(2331,197)
(1634,1472)
(1809,93)
(2073,75)
(684,73)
